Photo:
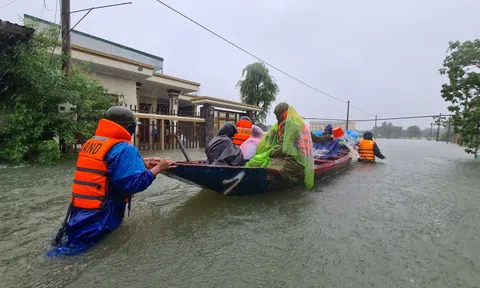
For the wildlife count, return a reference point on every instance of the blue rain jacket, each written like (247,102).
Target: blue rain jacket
(87,227)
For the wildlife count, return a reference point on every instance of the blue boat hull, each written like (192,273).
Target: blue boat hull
(254,180)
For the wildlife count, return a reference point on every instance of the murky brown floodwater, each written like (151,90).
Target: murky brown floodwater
(413,221)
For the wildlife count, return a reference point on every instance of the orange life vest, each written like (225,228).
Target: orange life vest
(90,184)
(244,128)
(366,150)
(304,140)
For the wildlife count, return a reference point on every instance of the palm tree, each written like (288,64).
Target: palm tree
(258,88)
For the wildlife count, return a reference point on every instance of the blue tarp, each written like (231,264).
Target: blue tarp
(333,148)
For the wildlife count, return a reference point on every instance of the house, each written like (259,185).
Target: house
(163,103)
(318,125)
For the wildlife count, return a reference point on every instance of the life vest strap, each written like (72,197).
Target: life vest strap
(95,171)
(88,197)
(91,184)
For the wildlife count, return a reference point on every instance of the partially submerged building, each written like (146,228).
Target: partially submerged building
(163,103)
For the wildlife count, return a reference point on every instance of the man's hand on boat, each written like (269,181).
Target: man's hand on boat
(151,162)
(157,165)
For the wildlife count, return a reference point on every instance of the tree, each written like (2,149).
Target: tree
(414,131)
(388,130)
(258,88)
(32,87)
(462,65)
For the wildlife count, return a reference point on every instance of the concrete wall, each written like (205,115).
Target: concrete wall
(126,88)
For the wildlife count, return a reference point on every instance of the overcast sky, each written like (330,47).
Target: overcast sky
(381,55)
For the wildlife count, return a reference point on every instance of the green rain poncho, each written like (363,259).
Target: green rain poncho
(290,151)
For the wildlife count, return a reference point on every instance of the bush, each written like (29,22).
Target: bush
(48,152)
(32,87)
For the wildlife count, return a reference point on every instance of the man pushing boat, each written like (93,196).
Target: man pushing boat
(109,172)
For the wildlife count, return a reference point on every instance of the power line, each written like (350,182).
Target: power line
(381,119)
(100,7)
(8,3)
(251,54)
(353,106)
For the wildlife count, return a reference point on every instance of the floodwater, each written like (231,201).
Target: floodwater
(411,221)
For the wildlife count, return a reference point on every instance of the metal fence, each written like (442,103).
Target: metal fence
(182,112)
(152,136)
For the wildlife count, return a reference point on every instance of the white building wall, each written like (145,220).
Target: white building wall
(125,88)
(320,125)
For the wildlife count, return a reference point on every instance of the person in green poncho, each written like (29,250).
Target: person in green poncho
(287,147)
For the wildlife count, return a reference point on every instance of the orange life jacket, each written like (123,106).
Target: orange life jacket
(366,150)
(90,184)
(304,140)
(244,128)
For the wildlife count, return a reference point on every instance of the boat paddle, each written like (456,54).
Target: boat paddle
(184,151)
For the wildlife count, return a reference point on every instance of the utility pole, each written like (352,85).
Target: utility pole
(448,130)
(66,45)
(438,128)
(478,132)
(431,128)
(375,129)
(348,113)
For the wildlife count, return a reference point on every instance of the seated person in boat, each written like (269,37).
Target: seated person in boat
(244,129)
(221,151)
(287,147)
(328,130)
(249,147)
(325,137)
(368,149)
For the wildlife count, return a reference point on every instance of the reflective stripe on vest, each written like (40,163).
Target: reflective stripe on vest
(239,138)
(244,129)
(89,188)
(305,141)
(366,150)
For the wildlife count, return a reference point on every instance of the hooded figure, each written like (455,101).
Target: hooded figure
(326,137)
(288,167)
(221,151)
(287,147)
(328,130)
(249,147)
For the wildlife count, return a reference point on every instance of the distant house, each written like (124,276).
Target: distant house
(318,125)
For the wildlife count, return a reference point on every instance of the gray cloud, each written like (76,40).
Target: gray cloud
(382,55)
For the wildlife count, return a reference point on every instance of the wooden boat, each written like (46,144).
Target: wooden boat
(243,180)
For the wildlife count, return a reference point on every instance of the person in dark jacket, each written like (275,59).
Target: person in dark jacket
(221,150)
(328,130)
(368,148)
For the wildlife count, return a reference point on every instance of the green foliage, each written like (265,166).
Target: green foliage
(388,130)
(413,131)
(258,88)
(48,152)
(462,65)
(32,87)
